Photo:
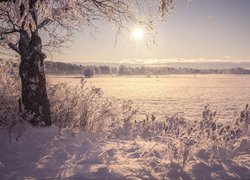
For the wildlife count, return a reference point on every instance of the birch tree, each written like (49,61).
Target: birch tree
(22,20)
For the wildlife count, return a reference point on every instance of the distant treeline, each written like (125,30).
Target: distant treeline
(59,68)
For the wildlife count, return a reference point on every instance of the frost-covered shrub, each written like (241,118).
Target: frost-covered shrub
(185,139)
(9,90)
(9,94)
(128,111)
(77,107)
(11,113)
(244,119)
(84,108)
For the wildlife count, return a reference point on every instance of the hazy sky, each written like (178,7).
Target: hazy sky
(209,29)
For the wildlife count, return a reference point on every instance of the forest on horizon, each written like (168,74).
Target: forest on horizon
(60,68)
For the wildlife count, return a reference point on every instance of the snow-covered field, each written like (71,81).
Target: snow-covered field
(146,149)
(184,94)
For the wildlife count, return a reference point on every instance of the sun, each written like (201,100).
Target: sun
(138,33)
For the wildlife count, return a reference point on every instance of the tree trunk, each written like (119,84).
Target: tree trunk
(31,71)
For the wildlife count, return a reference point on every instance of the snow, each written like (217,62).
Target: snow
(141,147)
(44,153)
(183,94)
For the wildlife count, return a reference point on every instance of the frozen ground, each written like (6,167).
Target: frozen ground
(43,153)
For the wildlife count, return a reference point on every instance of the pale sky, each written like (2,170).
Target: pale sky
(205,29)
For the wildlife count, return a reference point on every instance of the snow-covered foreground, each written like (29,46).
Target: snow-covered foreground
(44,153)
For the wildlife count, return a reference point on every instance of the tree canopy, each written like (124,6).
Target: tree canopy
(59,18)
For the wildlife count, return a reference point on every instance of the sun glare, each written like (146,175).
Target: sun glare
(138,33)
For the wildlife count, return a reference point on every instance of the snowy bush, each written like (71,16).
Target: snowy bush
(11,113)
(9,93)
(186,139)
(77,107)
(83,107)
